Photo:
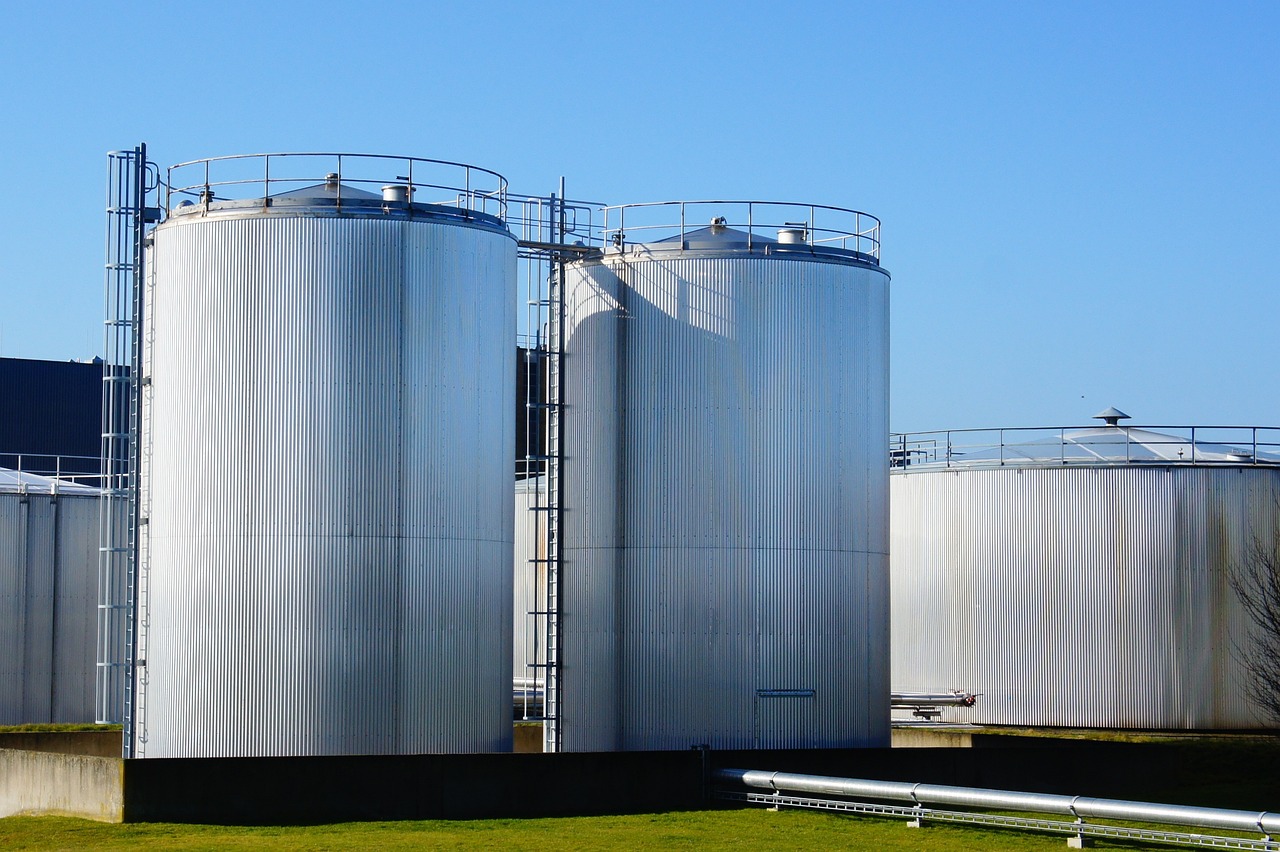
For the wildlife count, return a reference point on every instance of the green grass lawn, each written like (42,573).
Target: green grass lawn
(754,828)
(56,728)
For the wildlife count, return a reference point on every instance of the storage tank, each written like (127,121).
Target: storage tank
(48,598)
(1079,577)
(725,529)
(326,557)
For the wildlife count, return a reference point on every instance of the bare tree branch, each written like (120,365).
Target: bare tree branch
(1256,582)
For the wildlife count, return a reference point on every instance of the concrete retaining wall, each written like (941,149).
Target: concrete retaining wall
(35,782)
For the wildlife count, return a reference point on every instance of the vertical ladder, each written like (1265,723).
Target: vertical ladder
(544,248)
(555,294)
(128,182)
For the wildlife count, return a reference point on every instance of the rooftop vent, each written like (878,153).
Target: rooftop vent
(1112,416)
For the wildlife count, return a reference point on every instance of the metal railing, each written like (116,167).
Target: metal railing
(767,224)
(68,469)
(1088,445)
(848,795)
(260,176)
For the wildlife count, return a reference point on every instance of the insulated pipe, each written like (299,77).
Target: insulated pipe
(976,797)
(932,699)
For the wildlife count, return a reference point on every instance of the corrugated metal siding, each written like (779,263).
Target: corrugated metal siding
(330,494)
(48,607)
(530,579)
(1085,597)
(725,504)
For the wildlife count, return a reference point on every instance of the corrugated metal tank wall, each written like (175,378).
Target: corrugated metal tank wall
(1084,597)
(529,650)
(329,487)
(725,573)
(48,607)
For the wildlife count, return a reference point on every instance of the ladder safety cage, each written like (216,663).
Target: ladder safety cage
(131,180)
(551,231)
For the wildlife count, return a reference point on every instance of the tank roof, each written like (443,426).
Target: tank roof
(715,237)
(346,183)
(1090,445)
(332,190)
(22,482)
(769,227)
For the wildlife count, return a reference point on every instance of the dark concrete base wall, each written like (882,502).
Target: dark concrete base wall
(291,790)
(326,789)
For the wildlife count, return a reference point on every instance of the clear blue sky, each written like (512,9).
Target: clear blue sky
(1081,201)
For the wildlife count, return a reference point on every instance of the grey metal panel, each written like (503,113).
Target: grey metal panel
(529,579)
(48,599)
(13,607)
(726,530)
(1078,597)
(37,640)
(75,602)
(329,488)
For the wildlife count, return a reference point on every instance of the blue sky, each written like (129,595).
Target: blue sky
(1080,201)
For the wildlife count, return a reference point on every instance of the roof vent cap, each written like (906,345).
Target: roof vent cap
(1112,416)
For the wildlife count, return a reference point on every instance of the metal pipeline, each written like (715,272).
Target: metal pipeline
(1081,807)
(932,699)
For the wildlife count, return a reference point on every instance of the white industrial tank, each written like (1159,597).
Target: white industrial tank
(725,529)
(1080,577)
(48,598)
(325,559)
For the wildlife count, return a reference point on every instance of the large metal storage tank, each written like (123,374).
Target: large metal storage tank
(326,561)
(1079,577)
(48,599)
(725,529)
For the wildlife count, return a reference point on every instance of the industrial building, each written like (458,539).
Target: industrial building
(48,598)
(1079,577)
(51,417)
